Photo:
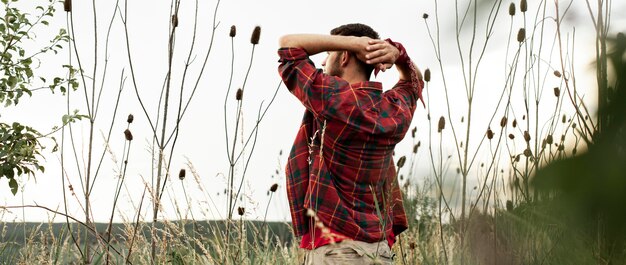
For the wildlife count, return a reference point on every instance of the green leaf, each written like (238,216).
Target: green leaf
(13,185)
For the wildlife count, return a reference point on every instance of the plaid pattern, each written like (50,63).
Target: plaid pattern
(341,164)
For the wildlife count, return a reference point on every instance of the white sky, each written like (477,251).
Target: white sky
(201,139)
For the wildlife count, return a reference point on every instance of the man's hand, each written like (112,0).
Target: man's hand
(381,53)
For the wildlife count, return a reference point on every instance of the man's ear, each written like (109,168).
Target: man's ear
(345,58)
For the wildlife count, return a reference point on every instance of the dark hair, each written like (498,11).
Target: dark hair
(357,30)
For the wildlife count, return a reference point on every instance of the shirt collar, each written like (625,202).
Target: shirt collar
(367,85)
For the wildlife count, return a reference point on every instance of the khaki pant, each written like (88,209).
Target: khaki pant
(350,252)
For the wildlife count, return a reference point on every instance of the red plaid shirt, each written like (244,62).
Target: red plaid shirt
(341,164)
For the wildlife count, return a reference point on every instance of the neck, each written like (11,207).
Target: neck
(354,77)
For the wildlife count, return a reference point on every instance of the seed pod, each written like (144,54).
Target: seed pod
(549,139)
(256,35)
(561,147)
(523,6)
(489,134)
(514,123)
(557,92)
(462,119)
(401,161)
(517,158)
(239,94)
(562,137)
(528,153)
(274,187)
(419,143)
(67,5)
(175,21)
(428,116)
(526,136)
(425,16)
(511,136)
(233,31)
(524,117)
(427,75)
(241,211)
(413,132)
(415,147)
(181,174)
(521,35)
(573,125)
(557,73)
(564,119)
(130,118)
(512,9)
(442,124)
(128,135)
(503,121)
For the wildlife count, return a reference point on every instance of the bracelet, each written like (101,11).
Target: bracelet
(404,57)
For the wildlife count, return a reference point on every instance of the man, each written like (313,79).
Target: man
(341,180)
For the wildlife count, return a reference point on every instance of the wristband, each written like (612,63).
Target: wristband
(403,59)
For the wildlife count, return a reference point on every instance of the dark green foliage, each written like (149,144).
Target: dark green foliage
(19,152)
(586,193)
(19,144)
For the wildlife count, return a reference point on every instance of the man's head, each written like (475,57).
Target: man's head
(332,64)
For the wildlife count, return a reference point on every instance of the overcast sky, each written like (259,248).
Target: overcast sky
(201,140)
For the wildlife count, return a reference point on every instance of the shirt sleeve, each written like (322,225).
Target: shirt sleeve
(310,85)
(410,91)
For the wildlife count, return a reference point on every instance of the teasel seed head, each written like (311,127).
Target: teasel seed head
(557,73)
(239,94)
(511,136)
(549,139)
(233,31)
(128,135)
(274,187)
(175,20)
(489,134)
(130,118)
(67,5)
(425,16)
(526,136)
(401,161)
(181,174)
(241,211)
(523,6)
(521,35)
(442,124)
(557,92)
(512,9)
(427,75)
(514,123)
(503,121)
(256,35)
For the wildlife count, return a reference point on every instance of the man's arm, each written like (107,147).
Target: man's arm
(316,43)
(384,54)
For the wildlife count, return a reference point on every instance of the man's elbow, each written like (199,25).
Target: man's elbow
(286,41)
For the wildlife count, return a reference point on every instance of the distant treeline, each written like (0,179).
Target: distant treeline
(256,231)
